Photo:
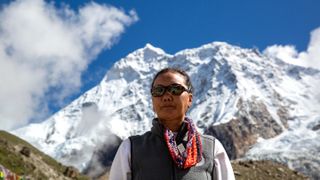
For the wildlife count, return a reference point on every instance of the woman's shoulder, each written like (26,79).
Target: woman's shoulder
(210,138)
(140,137)
(207,137)
(125,144)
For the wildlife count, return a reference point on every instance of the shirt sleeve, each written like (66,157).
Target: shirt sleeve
(223,168)
(120,168)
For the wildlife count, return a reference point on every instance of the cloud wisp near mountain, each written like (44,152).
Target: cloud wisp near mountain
(45,49)
(260,107)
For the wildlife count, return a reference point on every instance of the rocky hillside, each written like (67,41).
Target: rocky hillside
(257,170)
(18,157)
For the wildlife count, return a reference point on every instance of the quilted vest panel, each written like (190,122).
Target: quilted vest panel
(150,160)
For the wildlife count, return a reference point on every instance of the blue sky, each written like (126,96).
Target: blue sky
(53,51)
(176,25)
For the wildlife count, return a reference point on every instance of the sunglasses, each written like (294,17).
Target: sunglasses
(174,89)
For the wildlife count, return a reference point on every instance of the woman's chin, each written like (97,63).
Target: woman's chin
(169,117)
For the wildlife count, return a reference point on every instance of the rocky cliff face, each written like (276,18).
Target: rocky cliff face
(102,158)
(252,121)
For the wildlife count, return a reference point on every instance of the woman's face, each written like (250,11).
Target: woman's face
(169,107)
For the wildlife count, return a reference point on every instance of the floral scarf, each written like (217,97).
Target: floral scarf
(185,157)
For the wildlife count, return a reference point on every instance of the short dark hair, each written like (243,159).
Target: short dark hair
(175,70)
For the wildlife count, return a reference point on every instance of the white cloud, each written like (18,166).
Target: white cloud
(312,56)
(288,53)
(308,58)
(43,47)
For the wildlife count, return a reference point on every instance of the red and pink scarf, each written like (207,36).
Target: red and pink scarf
(185,157)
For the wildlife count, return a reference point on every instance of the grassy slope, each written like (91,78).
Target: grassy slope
(13,160)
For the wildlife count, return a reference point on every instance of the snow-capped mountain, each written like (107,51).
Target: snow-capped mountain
(241,96)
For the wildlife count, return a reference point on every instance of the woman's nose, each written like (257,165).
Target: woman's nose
(167,97)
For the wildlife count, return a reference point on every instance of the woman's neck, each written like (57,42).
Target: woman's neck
(173,125)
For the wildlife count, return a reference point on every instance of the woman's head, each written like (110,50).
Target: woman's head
(175,70)
(171,95)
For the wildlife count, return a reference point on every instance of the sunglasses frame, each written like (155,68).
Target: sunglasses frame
(169,89)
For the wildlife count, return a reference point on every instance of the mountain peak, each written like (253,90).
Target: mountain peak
(148,52)
(150,47)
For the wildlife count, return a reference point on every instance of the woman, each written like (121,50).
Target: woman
(173,149)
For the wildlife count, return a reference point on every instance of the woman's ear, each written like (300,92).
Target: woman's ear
(190,100)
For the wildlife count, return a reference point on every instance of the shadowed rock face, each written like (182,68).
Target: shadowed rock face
(102,157)
(252,121)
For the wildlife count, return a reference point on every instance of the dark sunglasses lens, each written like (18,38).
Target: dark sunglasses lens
(176,90)
(158,91)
